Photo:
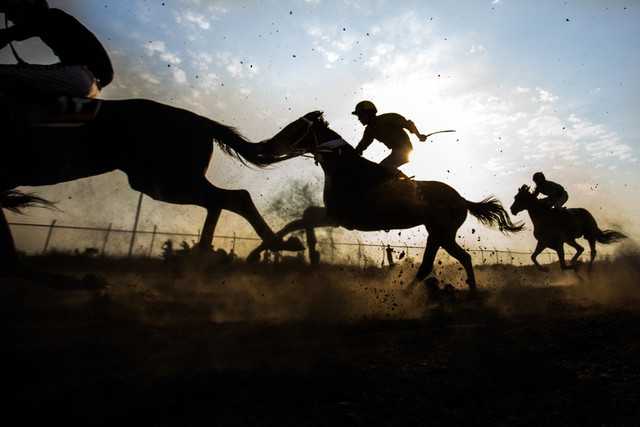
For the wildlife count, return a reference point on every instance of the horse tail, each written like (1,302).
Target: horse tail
(609,236)
(260,154)
(491,213)
(15,201)
(229,140)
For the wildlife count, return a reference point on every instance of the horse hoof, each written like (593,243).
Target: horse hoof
(293,244)
(431,283)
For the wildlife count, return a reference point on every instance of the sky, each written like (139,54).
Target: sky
(528,86)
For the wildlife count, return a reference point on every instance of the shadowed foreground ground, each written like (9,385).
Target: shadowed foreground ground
(291,345)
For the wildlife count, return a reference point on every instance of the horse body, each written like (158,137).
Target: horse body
(396,204)
(553,228)
(165,152)
(361,195)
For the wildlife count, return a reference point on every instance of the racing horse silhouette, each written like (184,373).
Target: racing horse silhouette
(553,228)
(165,152)
(361,195)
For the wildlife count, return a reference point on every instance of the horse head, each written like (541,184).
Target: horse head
(522,200)
(306,135)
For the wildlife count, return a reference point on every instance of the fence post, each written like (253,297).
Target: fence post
(46,243)
(153,239)
(135,225)
(106,238)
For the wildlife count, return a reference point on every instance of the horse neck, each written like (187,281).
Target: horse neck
(537,211)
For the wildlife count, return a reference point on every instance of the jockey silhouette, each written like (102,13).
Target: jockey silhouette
(389,129)
(84,67)
(556,194)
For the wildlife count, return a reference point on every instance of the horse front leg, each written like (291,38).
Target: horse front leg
(295,225)
(314,217)
(560,250)
(534,256)
(433,244)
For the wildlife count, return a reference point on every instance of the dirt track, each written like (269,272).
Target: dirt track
(269,345)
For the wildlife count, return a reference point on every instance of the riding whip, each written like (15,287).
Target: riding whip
(440,131)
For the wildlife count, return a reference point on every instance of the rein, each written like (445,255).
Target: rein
(309,126)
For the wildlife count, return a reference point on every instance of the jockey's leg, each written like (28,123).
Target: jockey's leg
(393,161)
(561,200)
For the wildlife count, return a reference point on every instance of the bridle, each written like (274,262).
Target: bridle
(324,147)
(309,129)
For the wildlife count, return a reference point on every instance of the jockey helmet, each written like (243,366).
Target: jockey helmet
(364,106)
(538,177)
(7,4)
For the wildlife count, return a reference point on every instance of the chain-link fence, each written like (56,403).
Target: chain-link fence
(40,239)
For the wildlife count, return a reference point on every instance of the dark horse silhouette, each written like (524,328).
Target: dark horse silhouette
(165,152)
(361,195)
(553,228)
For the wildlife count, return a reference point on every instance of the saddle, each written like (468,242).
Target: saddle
(75,112)
(51,112)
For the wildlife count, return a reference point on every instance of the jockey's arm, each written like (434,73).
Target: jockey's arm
(411,127)
(16,33)
(536,192)
(364,143)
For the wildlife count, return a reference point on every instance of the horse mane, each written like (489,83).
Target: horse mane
(284,144)
(16,201)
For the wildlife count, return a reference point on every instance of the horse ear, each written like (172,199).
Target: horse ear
(313,115)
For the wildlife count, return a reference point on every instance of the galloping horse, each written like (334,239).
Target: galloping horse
(165,152)
(553,228)
(361,195)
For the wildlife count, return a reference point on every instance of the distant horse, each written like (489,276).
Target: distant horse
(361,195)
(165,152)
(553,228)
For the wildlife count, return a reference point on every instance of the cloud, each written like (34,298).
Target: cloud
(190,18)
(155,46)
(545,96)
(179,76)
(476,48)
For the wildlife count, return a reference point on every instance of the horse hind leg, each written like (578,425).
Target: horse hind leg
(592,249)
(456,251)
(201,192)
(9,260)
(575,263)
(206,237)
